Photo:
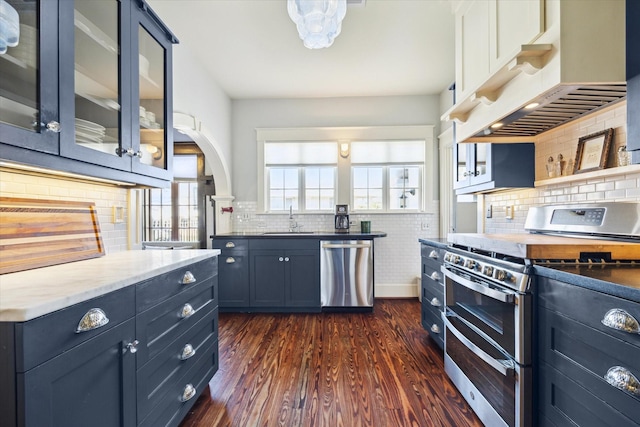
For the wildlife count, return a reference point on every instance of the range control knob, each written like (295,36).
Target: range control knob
(470,263)
(487,271)
(501,275)
(457,260)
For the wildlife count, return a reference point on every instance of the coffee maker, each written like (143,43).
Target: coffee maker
(342,218)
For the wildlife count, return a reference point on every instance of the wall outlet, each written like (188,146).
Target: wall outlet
(489,211)
(424,226)
(508,212)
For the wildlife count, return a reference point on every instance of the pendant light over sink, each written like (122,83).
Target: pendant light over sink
(318,21)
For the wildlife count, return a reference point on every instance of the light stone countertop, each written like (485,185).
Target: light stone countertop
(29,294)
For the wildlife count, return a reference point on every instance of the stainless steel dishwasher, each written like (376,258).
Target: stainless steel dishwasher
(346,274)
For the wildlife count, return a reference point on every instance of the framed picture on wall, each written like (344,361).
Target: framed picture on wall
(593,151)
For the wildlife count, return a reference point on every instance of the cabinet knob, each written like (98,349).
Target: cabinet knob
(188,393)
(93,319)
(435,329)
(129,152)
(286,259)
(188,278)
(53,126)
(435,276)
(622,379)
(230,260)
(280,259)
(621,320)
(133,346)
(230,245)
(435,302)
(187,352)
(187,311)
(433,254)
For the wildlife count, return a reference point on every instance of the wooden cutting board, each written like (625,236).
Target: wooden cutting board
(38,233)
(539,246)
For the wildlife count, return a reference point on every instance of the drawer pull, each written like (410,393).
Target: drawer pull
(187,352)
(188,278)
(133,346)
(435,302)
(230,245)
(93,319)
(187,311)
(435,329)
(620,320)
(435,276)
(622,379)
(433,254)
(188,393)
(230,260)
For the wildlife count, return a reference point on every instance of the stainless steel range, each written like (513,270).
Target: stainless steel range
(488,293)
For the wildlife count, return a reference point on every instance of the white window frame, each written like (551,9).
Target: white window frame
(430,179)
(386,188)
(302,187)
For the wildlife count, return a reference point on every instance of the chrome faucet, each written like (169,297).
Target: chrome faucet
(293,225)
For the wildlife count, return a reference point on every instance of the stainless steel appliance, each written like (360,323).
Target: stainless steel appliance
(342,218)
(346,274)
(488,317)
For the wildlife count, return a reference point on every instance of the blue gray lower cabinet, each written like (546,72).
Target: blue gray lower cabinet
(432,289)
(269,275)
(145,367)
(575,352)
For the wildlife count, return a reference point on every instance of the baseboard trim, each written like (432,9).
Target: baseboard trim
(400,290)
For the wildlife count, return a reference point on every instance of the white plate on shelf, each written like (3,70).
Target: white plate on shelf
(89,125)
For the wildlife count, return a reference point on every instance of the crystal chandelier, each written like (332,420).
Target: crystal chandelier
(318,21)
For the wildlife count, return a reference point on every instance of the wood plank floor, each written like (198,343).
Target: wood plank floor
(330,369)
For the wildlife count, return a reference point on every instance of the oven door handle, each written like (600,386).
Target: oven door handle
(504,296)
(505,366)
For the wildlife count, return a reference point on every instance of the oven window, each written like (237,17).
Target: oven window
(493,317)
(499,390)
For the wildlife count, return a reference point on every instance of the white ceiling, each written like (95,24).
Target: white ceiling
(252,49)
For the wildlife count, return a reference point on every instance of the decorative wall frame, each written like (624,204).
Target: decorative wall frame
(593,151)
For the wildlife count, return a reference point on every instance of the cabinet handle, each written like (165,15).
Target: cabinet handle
(286,259)
(433,254)
(280,259)
(187,352)
(435,329)
(133,346)
(435,302)
(620,320)
(188,393)
(188,278)
(230,245)
(187,311)
(53,126)
(230,260)
(93,319)
(435,276)
(622,379)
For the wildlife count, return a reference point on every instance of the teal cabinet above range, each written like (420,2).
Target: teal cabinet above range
(88,90)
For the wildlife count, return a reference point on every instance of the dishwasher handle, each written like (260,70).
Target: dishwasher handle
(345,245)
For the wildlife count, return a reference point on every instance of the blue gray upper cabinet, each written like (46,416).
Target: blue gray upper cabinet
(633,79)
(88,89)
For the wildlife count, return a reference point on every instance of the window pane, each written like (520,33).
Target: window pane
(291,178)
(375,199)
(276,200)
(291,199)
(327,199)
(360,177)
(375,177)
(312,200)
(312,177)
(360,198)
(327,178)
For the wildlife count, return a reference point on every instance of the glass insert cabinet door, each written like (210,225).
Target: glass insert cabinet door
(28,95)
(97,88)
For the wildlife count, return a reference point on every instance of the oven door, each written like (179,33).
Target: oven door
(498,389)
(499,313)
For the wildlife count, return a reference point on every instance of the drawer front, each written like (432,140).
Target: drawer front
(432,322)
(432,295)
(432,253)
(233,278)
(433,286)
(226,244)
(585,355)
(157,327)
(159,288)
(587,306)
(432,270)
(42,338)
(163,372)
(563,402)
(171,409)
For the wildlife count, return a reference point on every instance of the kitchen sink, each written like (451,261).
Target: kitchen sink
(286,233)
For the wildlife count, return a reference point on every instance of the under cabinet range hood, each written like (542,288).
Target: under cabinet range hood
(557,106)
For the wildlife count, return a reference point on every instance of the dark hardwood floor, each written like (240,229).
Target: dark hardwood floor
(330,369)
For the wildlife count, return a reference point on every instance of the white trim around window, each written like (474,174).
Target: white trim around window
(430,179)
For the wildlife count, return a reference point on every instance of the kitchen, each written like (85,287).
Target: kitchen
(226,126)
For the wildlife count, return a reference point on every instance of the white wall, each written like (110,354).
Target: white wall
(398,254)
